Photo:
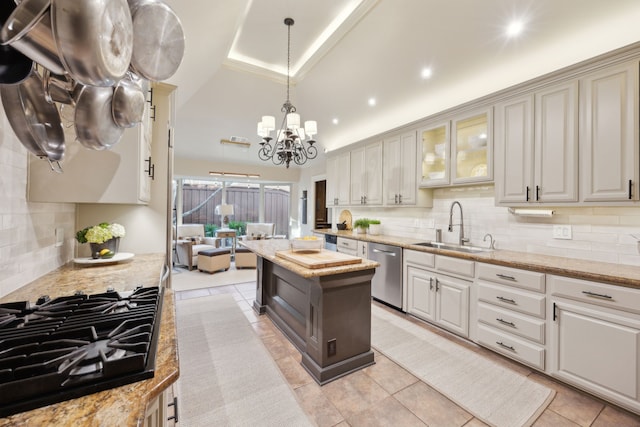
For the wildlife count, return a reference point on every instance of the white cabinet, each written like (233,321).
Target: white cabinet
(536,140)
(118,175)
(435,297)
(472,147)
(596,339)
(511,313)
(609,134)
(400,170)
(338,179)
(162,410)
(363,249)
(366,175)
(436,152)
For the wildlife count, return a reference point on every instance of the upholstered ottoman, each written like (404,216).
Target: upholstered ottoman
(212,260)
(245,258)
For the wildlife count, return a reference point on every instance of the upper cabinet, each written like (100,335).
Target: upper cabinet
(436,150)
(400,169)
(338,179)
(121,174)
(458,152)
(609,134)
(472,148)
(366,176)
(536,137)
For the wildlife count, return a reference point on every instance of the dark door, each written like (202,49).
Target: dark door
(321,215)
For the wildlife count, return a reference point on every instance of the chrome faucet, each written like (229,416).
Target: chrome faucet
(463,240)
(492,243)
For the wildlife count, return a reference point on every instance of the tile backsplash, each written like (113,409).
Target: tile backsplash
(597,233)
(28,247)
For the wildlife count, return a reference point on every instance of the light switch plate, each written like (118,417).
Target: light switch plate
(562,232)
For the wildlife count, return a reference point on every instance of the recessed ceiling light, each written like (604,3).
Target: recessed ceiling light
(515,28)
(372,102)
(426,73)
(335,121)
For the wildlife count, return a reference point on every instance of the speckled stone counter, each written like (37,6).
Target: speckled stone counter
(614,274)
(120,406)
(325,312)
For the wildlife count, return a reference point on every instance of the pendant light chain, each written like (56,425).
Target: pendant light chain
(288,55)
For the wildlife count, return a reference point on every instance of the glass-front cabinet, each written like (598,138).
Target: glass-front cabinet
(471,148)
(435,155)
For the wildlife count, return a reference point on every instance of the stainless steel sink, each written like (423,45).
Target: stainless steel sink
(453,247)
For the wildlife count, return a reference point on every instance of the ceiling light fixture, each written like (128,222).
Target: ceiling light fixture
(372,102)
(289,143)
(515,28)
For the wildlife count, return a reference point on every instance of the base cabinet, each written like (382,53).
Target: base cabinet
(593,346)
(163,410)
(434,297)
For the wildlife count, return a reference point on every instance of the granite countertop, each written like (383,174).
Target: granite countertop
(267,249)
(615,274)
(121,406)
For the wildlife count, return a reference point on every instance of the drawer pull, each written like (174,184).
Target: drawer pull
(508,347)
(509,300)
(175,409)
(595,295)
(504,276)
(504,322)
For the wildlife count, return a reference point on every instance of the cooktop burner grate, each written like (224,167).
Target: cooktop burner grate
(67,347)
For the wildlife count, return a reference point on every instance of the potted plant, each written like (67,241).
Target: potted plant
(374,227)
(361,225)
(104,238)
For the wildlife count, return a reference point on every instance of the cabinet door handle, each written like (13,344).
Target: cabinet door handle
(555,314)
(504,322)
(504,276)
(430,283)
(400,198)
(509,300)
(527,194)
(175,409)
(365,199)
(150,169)
(595,295)
(630,189)
(537,193)
(437,285)
(508,347)
(396,197)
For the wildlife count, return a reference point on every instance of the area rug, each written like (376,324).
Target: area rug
(187,280)
(227,377)
(494,394)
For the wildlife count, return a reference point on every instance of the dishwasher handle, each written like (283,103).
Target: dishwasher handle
(380,251)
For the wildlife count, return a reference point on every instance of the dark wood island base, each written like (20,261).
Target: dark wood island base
(325,314)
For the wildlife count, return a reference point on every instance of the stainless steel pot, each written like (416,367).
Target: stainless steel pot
(28,30)
(128,101)
(35,122)
(94,39)
(158,39)
(95,128)
(14,65)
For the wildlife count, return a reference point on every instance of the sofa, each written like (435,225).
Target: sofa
(189,240)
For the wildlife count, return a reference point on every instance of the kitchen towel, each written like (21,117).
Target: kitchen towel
(227,377)
(491,392)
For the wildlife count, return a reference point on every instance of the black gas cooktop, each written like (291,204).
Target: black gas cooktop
(67,347)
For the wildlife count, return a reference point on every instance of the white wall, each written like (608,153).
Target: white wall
(27,230)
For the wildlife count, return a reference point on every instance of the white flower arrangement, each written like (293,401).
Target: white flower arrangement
(100,233)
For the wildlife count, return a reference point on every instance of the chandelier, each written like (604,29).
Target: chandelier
(289,143)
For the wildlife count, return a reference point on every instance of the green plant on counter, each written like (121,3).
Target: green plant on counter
(239,226)
(374,221)
(361,223)
(210,230)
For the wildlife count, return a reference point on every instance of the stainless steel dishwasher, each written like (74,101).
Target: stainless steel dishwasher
(386,285)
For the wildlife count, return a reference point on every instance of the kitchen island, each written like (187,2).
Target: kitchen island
(120,406)
(325,312)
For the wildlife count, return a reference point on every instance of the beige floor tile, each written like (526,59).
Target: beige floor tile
(576,406)
(317,406)
(196,293)
(389,412)
(551,419)
(611,416)
(278,347)
(293,371)
(476,423)
(389,375)
(432,407)
(251,316)
(264,328)
(354,393)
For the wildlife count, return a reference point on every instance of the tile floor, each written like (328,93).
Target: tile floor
(387,395)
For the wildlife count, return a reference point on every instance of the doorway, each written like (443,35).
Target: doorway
(321,211)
